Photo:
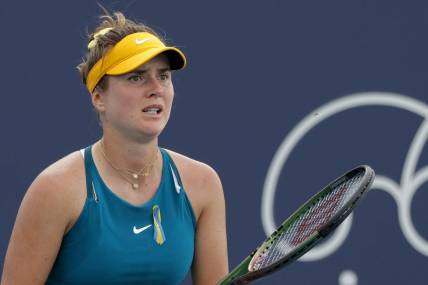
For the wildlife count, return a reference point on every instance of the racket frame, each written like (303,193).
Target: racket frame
(241,273)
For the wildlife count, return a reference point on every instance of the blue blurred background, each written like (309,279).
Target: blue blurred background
(354,71)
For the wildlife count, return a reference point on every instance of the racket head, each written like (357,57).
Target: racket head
(313,221)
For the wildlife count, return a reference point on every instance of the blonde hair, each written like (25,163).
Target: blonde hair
(115,27)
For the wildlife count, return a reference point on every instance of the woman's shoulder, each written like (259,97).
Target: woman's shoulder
(65,172)
(198,172)
(63,180)
(59,188)
(200,181)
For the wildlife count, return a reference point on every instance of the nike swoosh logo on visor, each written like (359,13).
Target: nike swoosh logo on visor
(140,42)
(140,230)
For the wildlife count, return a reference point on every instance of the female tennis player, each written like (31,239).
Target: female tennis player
(123,210)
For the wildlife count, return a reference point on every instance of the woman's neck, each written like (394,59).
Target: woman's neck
(128,154)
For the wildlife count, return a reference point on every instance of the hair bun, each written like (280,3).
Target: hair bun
(101,32)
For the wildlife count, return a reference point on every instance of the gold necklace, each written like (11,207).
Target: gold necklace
(134,174)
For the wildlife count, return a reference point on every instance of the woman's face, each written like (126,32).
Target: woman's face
(138,103)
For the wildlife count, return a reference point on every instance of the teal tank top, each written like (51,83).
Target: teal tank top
(115,242)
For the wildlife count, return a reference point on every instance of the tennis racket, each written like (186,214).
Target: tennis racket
(312,222)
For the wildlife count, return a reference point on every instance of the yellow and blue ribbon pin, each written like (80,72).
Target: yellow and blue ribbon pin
(159,234)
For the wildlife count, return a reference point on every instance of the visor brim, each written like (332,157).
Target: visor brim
(176,58)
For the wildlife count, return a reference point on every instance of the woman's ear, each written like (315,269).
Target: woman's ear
(98,100)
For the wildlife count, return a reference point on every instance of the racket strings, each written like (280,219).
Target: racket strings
(311,220)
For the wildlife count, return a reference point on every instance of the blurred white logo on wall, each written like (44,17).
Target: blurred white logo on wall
(402,192)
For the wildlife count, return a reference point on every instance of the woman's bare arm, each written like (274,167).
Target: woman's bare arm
(210,262)
(41,222)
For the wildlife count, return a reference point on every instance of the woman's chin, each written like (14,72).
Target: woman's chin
(151,132)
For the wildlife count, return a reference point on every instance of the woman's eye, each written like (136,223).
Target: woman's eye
(135,78)
(164,76)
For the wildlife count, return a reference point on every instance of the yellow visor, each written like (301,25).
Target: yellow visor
(131,52)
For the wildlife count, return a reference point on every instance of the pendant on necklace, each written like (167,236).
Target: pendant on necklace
(135,186)
(135,175)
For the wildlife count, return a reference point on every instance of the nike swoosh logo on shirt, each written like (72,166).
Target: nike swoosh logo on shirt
(140,230)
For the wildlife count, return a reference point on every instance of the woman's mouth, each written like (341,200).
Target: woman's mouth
(152,110)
